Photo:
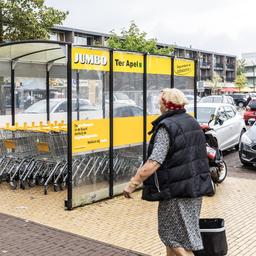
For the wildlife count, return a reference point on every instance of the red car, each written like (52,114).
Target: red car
(250,111)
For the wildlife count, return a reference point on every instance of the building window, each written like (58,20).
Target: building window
(248,69)
(57,36)
(61,37)
(53,36)
(79,39)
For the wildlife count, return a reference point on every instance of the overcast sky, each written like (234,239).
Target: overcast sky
(225,26)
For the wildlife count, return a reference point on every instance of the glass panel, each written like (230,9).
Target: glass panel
(128,117)
(159,77)
(58,93)
(5,93)
(90,126)
(30,93)
(184,71)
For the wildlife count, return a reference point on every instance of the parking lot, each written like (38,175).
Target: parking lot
(132,224)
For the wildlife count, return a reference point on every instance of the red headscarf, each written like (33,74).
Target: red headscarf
(172,106)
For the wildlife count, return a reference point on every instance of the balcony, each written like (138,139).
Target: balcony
(205,78)
(230,66)
(218,66)
(206,65)
(250,74)
(230,79)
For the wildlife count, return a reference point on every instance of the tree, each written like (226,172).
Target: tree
(216,79)
(133,39)
(27,19)
(240,66)
(240,81)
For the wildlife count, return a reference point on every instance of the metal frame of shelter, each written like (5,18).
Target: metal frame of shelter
(63,56)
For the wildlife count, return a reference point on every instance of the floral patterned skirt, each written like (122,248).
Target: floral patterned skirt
(178,223)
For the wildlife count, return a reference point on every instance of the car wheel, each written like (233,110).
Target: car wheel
(237,146)
(244,162)
(240,104)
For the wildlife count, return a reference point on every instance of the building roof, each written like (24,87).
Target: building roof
(61,28)
(76,30)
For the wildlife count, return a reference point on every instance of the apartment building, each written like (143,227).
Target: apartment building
(210,62)
(250,68)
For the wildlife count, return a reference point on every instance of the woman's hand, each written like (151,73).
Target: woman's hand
(142,174)
(128,191)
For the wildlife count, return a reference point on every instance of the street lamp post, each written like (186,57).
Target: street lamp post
(254,77)
(253,73)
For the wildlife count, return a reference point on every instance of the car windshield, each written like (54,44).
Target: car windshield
(40,107)
(189,97)
(121,96)
(203,113)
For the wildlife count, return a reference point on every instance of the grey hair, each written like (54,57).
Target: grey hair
(173,95)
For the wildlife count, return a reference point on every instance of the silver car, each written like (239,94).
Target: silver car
(59,106)
(218,99)
(226,121)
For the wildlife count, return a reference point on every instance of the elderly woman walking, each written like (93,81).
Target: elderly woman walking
(176,174)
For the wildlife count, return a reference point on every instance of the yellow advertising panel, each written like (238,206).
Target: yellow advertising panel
(150,119)
(128,130)
(90,135)
(127,62)
(90,59)
(158,65)
(184,68)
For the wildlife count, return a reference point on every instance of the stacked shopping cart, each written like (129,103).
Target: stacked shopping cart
(37,155)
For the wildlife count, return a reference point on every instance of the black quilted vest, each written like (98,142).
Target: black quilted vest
(185,171)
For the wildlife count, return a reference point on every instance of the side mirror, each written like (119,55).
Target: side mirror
(219,120)
(212,118)
(251,121)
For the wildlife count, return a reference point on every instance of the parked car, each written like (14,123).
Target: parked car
(120,97)
(125,110)
(59,106)
(190,98)
(224,119)
(250,110)
(247,147)
(240,99)
(218,99)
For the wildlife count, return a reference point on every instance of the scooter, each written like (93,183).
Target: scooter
(218,167)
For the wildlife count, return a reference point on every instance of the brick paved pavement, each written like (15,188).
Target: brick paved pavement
(132,224)
(22,237)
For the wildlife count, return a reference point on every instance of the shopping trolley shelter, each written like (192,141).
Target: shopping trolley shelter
(75,118)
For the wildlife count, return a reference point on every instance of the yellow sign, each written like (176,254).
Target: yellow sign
(158,65)
(90,59)
(150,119)
(127,62)
(184,68)
(90,135)
(128,130)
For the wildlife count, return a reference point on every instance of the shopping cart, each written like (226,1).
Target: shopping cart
(33,155)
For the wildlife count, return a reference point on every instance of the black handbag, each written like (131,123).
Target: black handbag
(214,238)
